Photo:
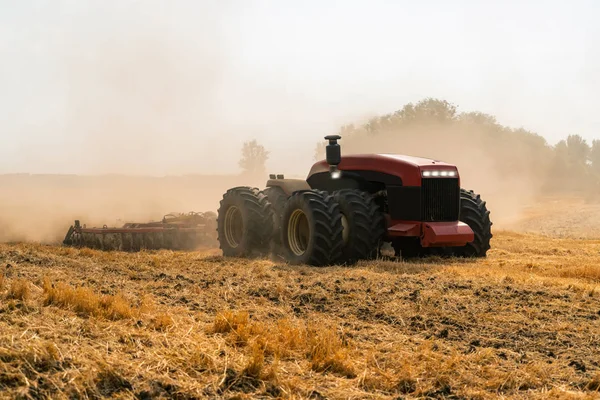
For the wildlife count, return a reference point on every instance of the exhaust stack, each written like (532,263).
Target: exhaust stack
(333,155)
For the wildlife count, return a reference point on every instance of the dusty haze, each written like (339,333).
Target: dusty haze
(158,94)
(42,207)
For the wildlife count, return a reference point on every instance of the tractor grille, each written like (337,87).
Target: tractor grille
(440,199)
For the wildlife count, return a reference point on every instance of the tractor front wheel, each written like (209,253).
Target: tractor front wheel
(311,229)
(244,223)
(364,224)
(473,212)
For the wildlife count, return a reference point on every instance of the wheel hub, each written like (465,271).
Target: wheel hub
(298,232)
(234,226)
(345,232)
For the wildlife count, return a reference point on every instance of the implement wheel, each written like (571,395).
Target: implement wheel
(244,223)
(311,229)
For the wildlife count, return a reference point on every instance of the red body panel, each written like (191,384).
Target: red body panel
(433,234)
(404,228)
(406,167)
(446,234)
(409,169)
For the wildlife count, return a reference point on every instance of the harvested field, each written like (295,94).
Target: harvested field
(88,324)
(564,217)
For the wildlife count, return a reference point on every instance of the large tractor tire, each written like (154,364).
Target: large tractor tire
(278,199)
(364,225)
(244,223)
(311,229)
(473,212)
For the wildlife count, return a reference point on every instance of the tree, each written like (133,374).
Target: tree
(254,158)
(571,169)
(427,110)
(595,155)
(577,149)
(434,128)
(561,150)
(479,119)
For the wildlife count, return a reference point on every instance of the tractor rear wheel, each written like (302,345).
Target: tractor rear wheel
(474,213)
(244,223)
(311,229)
(363,225)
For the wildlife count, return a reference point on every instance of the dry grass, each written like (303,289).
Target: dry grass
(162,322)
(522,323)
(19,290)
(84,301)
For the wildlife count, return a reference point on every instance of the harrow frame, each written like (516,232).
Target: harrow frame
(174,232)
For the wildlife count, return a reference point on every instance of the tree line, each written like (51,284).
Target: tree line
(474,141)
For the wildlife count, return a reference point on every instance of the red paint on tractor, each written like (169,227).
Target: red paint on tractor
(433,234)
(403,228)
(446,234)
(408,168)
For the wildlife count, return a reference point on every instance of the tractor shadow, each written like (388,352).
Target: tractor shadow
(385,260)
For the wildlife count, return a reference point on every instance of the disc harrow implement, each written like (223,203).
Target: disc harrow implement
(174,232)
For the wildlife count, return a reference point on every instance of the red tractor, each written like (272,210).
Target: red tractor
(349,206)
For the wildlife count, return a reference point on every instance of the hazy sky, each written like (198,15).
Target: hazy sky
(169,87)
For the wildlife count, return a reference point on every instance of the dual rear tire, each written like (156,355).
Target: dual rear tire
(310,227)
(318,228)
(364,225)
(244,223)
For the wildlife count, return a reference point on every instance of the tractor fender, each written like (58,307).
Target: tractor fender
(289,186)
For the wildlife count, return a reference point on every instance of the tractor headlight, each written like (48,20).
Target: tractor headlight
(438,173)
(336,174)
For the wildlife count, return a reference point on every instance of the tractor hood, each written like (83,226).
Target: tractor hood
(408,168)
(416,161)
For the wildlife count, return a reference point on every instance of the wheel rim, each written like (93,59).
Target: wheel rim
(234,226)
(298,232)
(345,232)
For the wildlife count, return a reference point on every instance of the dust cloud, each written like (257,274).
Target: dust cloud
(41,208)
(143,122)
(146,99)
(147,111)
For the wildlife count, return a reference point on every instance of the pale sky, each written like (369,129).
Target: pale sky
(170,87)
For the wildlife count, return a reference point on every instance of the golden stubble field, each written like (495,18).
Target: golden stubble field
(523,323)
